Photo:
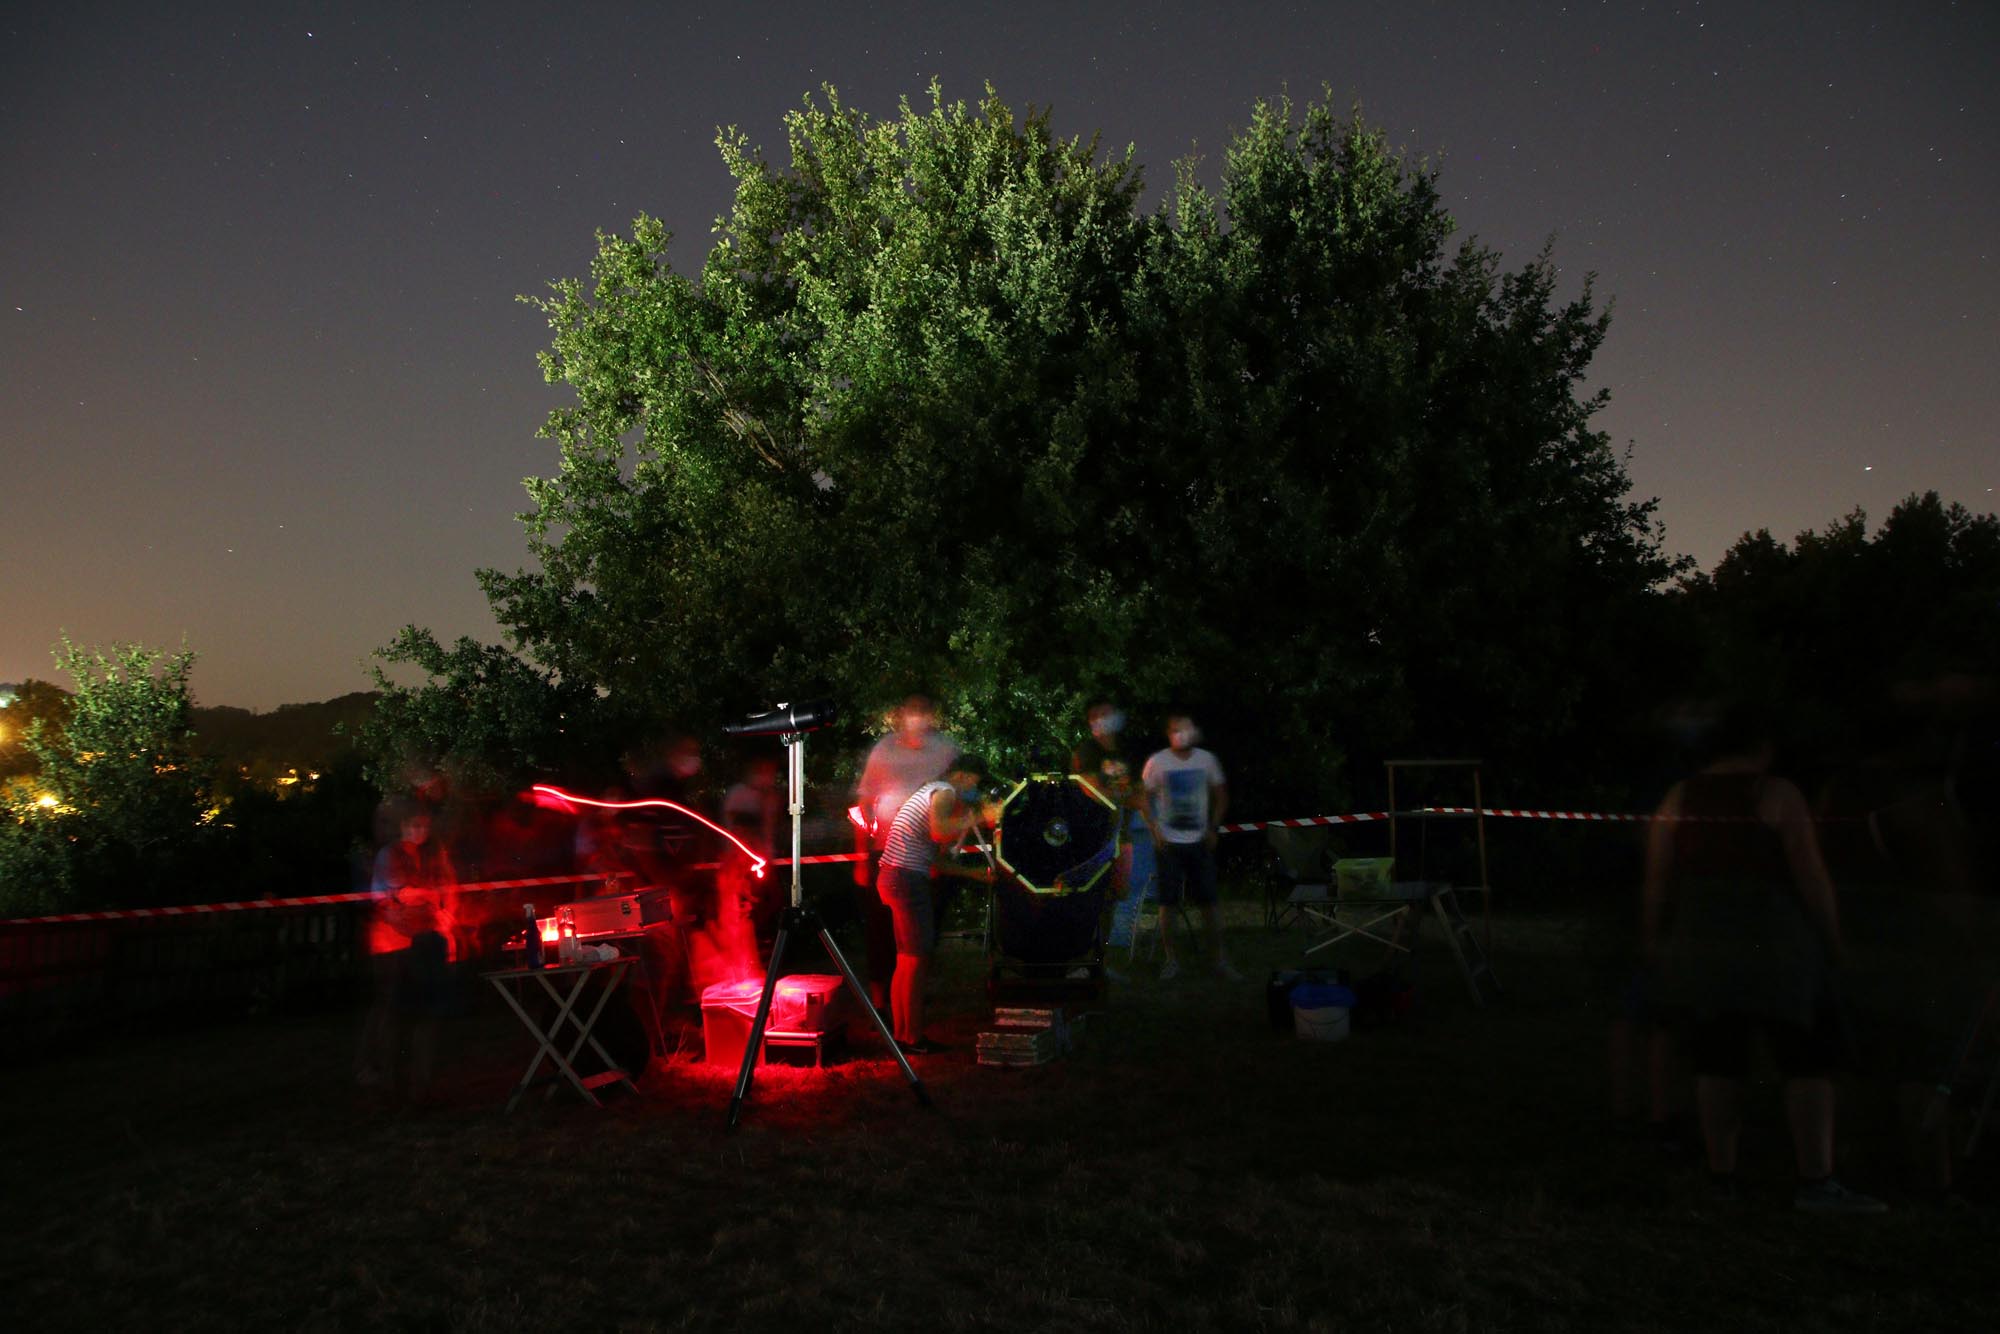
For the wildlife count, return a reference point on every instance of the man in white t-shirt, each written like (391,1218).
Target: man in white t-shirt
(1188,797)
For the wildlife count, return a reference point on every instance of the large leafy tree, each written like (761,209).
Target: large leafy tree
(1398,529)
(115,812)
(945,409)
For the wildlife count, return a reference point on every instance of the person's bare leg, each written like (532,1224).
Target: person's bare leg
(375,1061)
(899,998)
(1665,1077)
(1809,1108)
(1929,1146)
(920,976)
(1211,917)
(423,1057)
(1721,1123)
(1166,934)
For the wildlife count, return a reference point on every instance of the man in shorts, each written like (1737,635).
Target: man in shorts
(1188,797)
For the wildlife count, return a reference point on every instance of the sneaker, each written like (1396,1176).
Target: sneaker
(1829,1196)
(1673,1135)
(1224,969)
(1170,970)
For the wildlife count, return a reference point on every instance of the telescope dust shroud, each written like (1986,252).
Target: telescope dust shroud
(1057,834)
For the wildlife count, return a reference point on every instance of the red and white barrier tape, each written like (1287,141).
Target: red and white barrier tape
(1306,822)
(830,858)
(1558,815)
(332,900)
(186,910)
(1607,817)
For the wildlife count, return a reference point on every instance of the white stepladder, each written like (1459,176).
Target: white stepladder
(1980,1031)
(1473,964)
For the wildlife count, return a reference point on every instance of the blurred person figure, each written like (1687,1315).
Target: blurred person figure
(1101,759)
(410,941)
(912,754)
(429,786)
(664,845)
(1741,919)
(1649,1082)
(1650,1085)
(933,816)
(1188,796)
(752,810)
(523,841)
(604,849)
(1924,950)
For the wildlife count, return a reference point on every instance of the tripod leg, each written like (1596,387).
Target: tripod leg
(753,1048)
(854,985)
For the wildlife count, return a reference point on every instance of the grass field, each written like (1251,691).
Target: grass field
(1185,1169)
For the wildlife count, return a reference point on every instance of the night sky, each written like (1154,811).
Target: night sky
(266,386)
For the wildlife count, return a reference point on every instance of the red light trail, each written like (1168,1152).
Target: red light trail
(544,793)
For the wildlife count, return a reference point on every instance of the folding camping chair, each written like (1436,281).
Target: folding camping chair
(1146,928)
(1960,1074)
(1302,857)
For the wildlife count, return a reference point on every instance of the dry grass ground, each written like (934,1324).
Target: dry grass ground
(1185,1169)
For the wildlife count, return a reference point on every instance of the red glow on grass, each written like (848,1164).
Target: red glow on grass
(554,798)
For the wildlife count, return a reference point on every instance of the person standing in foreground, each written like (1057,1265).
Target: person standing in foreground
(932,816)
(1100,758)
(912,754)
(410,941)
(1189,796)
(1741,918)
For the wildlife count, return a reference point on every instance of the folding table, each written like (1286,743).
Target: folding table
(1403,905)
(1367,916)
(511,982)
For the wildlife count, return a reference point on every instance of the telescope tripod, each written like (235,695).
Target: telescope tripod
(799,918)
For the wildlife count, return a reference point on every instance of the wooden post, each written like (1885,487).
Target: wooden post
(1391,766)
(1485,885)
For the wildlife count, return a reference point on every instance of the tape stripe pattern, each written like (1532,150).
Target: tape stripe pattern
(824,859)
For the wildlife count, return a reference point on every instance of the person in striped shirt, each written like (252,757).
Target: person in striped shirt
(931,817)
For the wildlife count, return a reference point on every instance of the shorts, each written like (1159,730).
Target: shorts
(1720,1045)
(907,895)
(1185,871)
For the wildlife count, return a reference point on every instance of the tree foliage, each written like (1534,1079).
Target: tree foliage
(1825,630)
(116,807)
(945,408)
(34,702)
(485,713)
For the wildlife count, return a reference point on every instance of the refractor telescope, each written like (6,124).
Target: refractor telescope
(786,720)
